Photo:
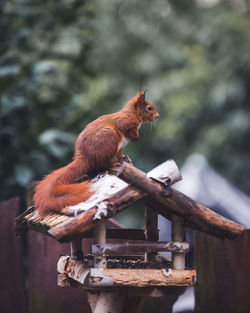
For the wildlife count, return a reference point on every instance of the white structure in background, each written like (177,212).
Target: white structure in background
(206,186)
(203,184)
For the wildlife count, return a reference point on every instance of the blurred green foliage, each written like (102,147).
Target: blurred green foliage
(64,63)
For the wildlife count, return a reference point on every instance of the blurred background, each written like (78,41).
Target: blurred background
(64,63)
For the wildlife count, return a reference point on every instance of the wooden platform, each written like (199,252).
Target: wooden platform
(99,277)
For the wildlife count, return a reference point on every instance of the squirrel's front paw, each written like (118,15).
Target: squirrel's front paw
(125,158)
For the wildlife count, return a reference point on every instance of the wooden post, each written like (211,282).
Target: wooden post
(92,299)
(76,249)
(178,234)
(106,302)
(109,303)
(100,238)
(151,230)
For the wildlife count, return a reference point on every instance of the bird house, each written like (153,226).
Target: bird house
(135,263)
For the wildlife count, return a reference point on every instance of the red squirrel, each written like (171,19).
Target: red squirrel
(96,148)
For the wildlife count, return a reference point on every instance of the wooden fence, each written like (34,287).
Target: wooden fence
(12,286)
(29,281)
(223,270)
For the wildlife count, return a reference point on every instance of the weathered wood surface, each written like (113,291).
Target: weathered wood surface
(125,277)
(159,299)
(114,204)
(130,248)
(85,221)
(12,294)
(100,238)
(223,274)
(196,214)
(31,219)
(156,194)
(150,277)
(178,233)
(165,200)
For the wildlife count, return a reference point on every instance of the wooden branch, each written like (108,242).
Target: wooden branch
(127,248)
(73,268)
(195,214)
(78,225)
(85,221)
(150,277)
(157,206)
(114,204)
(176,202)
(124,277)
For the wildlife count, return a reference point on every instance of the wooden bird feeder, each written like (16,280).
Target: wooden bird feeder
(135,265)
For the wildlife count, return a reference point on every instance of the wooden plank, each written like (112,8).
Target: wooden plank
(223,274)
(12,295)
(193,212)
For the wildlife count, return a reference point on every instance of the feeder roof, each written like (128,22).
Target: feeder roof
(113,194)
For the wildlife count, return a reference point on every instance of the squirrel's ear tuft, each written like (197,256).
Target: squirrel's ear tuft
(141,94)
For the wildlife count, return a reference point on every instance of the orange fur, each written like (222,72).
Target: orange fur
(96,148)
(57,191)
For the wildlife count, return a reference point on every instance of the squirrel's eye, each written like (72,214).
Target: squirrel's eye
(149,108)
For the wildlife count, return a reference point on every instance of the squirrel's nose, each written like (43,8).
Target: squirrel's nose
(157,115)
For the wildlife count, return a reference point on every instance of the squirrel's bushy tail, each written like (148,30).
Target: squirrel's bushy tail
(55,191)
